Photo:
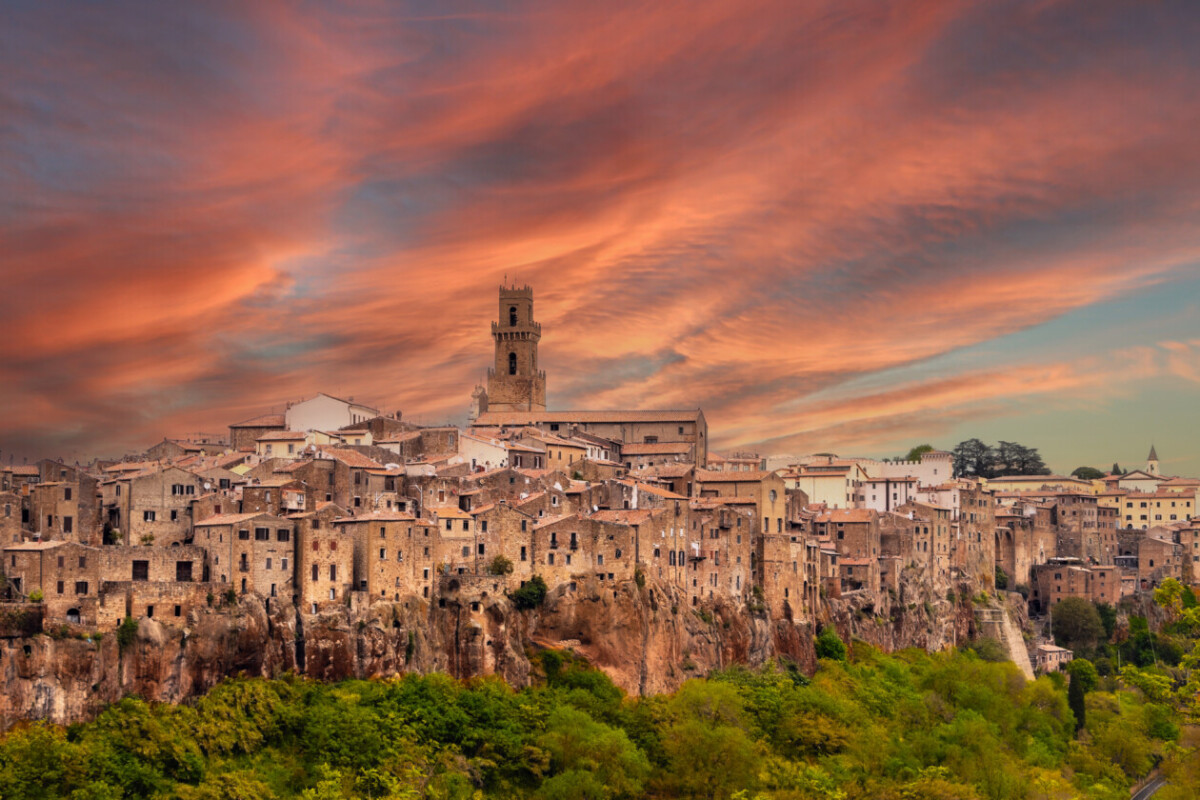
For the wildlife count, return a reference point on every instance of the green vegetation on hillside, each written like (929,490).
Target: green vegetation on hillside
(910,725)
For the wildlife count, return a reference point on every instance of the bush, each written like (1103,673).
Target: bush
(639,578)
(127,633)
(990,649)
(830,646)
(531,595)
(501,566)
(36,596)
(1001,579)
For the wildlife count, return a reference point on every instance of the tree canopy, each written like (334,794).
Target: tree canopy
(976,458)
(1087,473)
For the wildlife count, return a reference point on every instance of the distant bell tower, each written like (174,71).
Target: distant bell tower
(1152,462)
(514,382)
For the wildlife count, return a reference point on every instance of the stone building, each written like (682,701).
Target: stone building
(324,558)
(395,554)
(11,507)
(254,552)
(151,505)
(244,435)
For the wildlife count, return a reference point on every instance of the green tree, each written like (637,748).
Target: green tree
(1087,473)
(594,754)
(1076,623)
(829,645)
(918,451)
(1077,701)
(973,458)
(1001,578)
(1108,618)
(531,595)
(1084,672)
(709,754)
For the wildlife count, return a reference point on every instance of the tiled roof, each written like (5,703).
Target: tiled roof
(229,519)
(265,421)
(627,516)
(657,448)
(494,418)
(281,436)
(351,458)
(717,476)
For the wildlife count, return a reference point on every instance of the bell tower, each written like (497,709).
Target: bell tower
(514,382)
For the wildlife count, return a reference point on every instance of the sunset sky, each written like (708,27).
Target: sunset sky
(847,226)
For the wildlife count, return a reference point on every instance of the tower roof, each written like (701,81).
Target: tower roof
(1153,455)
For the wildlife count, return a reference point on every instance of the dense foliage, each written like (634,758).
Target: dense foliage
(910,725)
(975,458)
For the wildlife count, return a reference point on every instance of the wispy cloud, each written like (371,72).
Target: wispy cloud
(750,207)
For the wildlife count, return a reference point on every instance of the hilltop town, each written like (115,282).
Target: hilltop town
(334,508)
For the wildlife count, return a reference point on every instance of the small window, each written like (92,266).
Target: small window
(244,535)
(512,363)
(81,587)
(283,535)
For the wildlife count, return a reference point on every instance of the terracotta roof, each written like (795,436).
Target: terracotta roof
(846,515)
(626,516)
(229,519)
(265,421)
(379,516)
(718,476)
(494,418)
(351,458)
(34,545)
(652,489)
(551,520)
(657,448)
(281,436)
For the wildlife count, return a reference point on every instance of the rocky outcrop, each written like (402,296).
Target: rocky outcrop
(648,638)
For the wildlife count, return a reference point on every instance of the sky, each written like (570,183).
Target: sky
(850,226)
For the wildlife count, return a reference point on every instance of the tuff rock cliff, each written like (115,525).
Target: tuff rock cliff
(644,637)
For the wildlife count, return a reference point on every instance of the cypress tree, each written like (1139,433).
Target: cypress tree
(1075,699)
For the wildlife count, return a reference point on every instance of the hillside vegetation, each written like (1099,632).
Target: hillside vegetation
(908,725)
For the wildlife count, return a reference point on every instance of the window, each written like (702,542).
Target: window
(512,316)
(60,587)
(522,553)
(262,535)
(82,562)
(382,553)
(174,515)
(512,363)
(283,535)
(333,544)
(67,493)
(314,571)
(599,559)
(483,526)
(183,571)
(268,562)
(332,573)
(148,516)
(466,524)
(141,570)
(244,535)
(481,549)
(81,587)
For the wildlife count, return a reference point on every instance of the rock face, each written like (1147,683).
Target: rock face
(645,637)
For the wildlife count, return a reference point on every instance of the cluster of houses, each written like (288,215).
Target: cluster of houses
(335,503)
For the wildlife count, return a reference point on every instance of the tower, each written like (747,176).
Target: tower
(514,381)
(1152,462)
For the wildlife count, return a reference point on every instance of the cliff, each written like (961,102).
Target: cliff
(645,637)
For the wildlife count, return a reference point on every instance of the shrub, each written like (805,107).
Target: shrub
(1001,579)
(639,578)
(127,633)
(500,566)
(230,597)
(531,595)
(830,646)
(36,596)
(990,649)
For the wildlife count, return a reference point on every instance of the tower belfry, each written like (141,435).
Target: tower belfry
(514,382)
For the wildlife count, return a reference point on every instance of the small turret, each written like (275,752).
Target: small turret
(1152,462)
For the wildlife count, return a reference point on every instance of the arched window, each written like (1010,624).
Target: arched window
(512,316)
(512,363)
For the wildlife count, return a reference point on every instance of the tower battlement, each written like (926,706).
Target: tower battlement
(516,293)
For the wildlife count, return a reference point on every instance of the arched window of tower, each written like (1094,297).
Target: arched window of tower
(512,316)
(512,363)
